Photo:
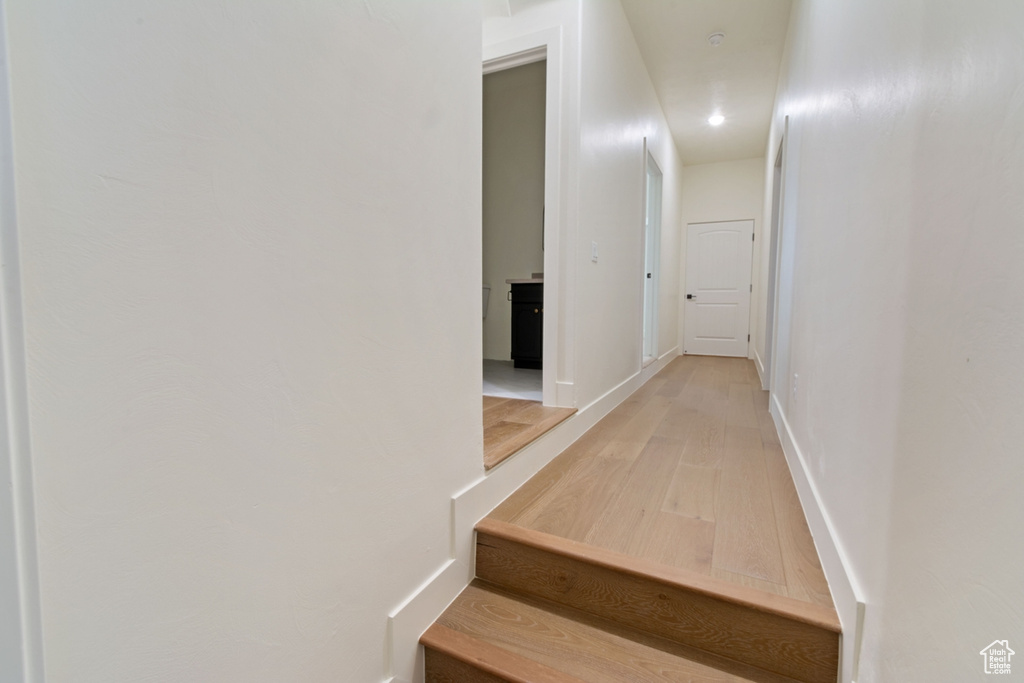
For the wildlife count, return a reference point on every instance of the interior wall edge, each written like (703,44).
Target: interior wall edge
(21,645)
(842,582)
(408,621)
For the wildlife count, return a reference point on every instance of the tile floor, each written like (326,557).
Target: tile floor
(503,380)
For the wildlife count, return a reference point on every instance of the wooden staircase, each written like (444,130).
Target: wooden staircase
(545,608)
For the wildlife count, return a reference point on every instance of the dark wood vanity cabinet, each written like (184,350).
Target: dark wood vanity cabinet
(528,325)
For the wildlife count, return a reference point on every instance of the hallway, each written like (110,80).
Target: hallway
(240,322)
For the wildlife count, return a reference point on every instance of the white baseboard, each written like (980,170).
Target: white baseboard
(565,394)
(759,364)
(846,593)
(667,357)
(408,621)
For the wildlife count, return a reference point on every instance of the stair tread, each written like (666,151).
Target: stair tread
(770,632)
(569,645)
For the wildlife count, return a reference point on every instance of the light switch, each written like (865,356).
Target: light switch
(593,252)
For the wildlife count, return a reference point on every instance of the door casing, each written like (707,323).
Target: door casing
(652,254)
(558,382)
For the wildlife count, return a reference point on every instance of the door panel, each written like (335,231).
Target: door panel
(717,312)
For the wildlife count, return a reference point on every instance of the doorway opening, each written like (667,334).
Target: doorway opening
(652,255)
(554,315)
(513,173)
(506,427)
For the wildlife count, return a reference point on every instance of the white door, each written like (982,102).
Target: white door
(717,312)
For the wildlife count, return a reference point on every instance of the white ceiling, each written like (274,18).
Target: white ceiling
(695,80)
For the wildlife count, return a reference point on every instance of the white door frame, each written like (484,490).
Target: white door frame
(557,382)
(21,651)
(649,315)
(773,264)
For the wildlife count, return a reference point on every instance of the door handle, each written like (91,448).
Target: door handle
(691,296)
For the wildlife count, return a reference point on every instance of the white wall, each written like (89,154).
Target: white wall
(902,315)
(618,110)
(724,191)
(250,243)
(513,192)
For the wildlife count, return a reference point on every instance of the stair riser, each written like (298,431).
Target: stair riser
(743,633)
(452,656)
(441,668)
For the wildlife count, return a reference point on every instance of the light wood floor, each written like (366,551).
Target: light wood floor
(688,472)
(510,424)
(559,645)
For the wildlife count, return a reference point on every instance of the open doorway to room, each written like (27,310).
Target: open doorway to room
(652,255)
(514,117)
(524,227)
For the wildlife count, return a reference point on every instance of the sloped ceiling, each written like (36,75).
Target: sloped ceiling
(695,80)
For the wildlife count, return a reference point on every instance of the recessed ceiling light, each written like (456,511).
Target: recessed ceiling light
(716,120)
(716,39)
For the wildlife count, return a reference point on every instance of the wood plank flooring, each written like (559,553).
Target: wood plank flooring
(511,423)
(666,544)
(770,632)
(687,472)
(521,639)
